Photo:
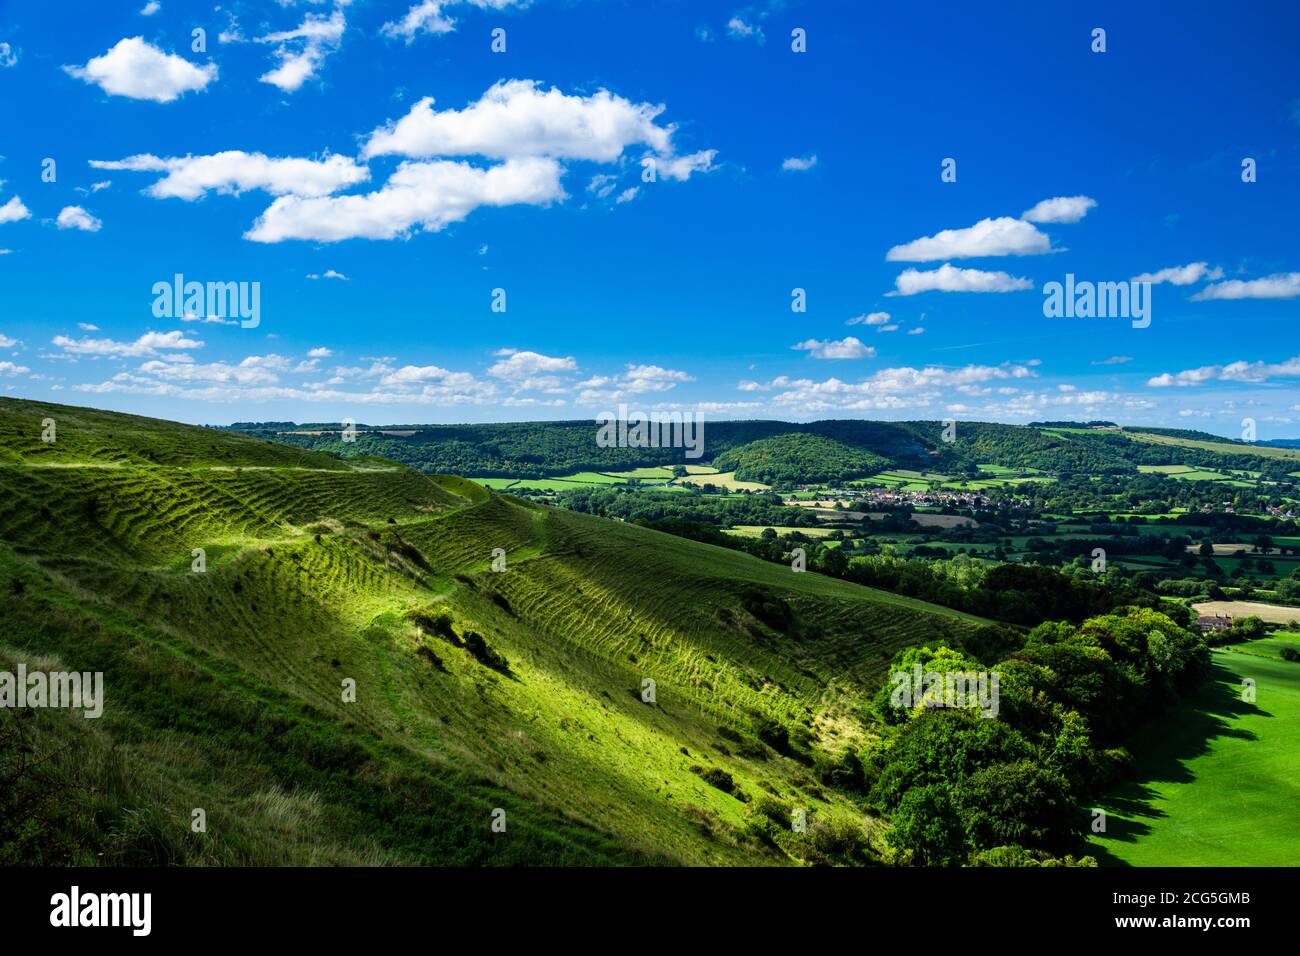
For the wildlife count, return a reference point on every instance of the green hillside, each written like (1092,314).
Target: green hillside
(797,458)
(476,689)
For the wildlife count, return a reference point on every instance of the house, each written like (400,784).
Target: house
(1214,622)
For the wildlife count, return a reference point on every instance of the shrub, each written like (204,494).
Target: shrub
(485,655)
(715,777)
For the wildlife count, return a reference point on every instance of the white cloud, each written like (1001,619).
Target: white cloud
(234,171)
(1181,275)
(87,327)
(14,211)
(6,342)
(681,167)
(150,8)
(603,184)
(741,29)
(634,380)
(515,118)
(208,319)
(892,327)
(799,164)
(887,389)
(1115,360)
(523,367)
(949,278)
(328,274)
(254,370)
(301,51)
(845,348)
(919,330)
(1284,285)
(148,344)
(74,217)
(1064,209)
(8,57)
(427,195)
(141,71)
(627,195)
(988,237)
(428,17)
(874,318)
(1239,371)
(9,368)
(319,353)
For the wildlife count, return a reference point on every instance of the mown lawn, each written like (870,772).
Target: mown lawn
(1218,782)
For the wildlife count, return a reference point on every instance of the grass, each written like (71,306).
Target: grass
(223,687)
(1221,448)
(1218,784)
(726,480)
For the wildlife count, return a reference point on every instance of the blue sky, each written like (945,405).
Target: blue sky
(379,170)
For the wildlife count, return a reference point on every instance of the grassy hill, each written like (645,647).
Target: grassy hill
(798,458)
(769,451)
(475,689)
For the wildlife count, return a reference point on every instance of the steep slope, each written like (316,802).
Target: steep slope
(521,688)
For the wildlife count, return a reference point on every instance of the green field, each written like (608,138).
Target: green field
(754,530)
(1217,782)
(1222,448)
(725,480)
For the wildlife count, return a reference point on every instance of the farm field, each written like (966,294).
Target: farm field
(754,530)
(1222,448)
(725,480)
(931,520)
(1271,613)
(1218,785)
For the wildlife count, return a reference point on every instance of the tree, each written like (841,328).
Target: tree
(927,826)
(1018,804)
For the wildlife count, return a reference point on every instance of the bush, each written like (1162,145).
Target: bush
(715,777)
(485,655)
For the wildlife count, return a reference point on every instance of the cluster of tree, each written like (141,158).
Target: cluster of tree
(795,458)
(957,785)
(647,506)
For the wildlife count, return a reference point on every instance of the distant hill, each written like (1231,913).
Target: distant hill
(798,458)
(843,450)
(475,690)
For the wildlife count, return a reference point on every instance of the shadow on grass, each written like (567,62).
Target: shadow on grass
(1162,751)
